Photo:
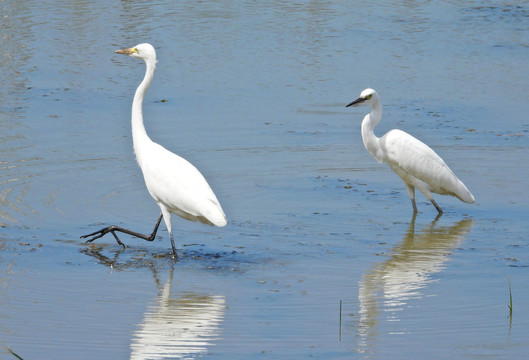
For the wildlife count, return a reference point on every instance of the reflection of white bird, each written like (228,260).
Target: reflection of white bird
(415,162)
(178,326)
(390,285)
(176,185)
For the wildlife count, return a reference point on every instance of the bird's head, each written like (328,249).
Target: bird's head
(142,51)
(368,96)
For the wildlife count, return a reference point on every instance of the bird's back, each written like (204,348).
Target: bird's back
(176,184)
(411,158)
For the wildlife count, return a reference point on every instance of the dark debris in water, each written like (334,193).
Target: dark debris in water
(121,259)
(499,12)
(330,182)
(514,262)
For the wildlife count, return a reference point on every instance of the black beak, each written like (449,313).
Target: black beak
(357,101)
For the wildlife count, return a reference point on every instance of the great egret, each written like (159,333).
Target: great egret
(176,185)
(415,162)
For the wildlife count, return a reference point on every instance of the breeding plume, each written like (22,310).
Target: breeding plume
(176,185)
(415,162)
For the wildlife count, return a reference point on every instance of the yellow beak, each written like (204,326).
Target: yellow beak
(127,51)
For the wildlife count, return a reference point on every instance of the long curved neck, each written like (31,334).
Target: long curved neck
(371,141)
(139,135)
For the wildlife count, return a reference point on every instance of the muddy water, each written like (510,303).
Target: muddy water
(253,94)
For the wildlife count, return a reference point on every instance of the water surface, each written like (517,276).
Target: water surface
(254,94)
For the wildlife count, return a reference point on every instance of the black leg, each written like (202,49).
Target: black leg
(414,206)
(175,256)
(440,212)
(112,229)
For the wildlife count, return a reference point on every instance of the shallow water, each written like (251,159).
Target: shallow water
(254,94)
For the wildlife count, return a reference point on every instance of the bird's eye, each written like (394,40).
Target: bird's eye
(368,96)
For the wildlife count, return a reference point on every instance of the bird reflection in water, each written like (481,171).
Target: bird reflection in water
(177,325)
(409,268)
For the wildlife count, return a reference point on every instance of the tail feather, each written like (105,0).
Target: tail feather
(464,194)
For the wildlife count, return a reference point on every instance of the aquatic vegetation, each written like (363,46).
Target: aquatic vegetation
(14,354)
(510,298)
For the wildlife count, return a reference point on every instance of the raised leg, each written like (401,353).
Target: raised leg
(112,229)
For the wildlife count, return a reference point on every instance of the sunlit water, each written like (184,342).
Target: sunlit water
(254,94)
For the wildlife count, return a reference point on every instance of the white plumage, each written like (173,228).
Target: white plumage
(178,187)
(174,183)
(415,162)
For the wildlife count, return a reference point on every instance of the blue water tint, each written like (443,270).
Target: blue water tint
(254,95)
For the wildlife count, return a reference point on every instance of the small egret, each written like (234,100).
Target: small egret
(415,162)
(176,185)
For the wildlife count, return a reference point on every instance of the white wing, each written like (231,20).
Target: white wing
(412,160)
(177,184)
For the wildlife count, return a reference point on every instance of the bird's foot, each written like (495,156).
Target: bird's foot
(100,233)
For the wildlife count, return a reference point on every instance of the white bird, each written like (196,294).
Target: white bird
(415,162)
(174,183)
